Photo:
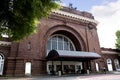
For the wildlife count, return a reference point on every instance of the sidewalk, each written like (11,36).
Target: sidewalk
(64,77)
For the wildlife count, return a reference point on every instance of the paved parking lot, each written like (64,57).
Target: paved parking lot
(78,77)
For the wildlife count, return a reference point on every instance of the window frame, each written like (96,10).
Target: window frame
(64,38)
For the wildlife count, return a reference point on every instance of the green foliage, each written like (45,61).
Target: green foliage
(19,18)
(118,39)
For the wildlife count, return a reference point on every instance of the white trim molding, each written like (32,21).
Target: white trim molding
(5,43)
(74,16)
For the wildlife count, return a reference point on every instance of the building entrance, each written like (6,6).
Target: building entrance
(109,65)
(1,64)
(68,67)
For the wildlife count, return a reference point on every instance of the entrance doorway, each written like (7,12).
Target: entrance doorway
(28,68)
(97,67)
(68,67)
(109,65)
(1,63)
(117,65)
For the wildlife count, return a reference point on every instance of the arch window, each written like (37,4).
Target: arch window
(60,42)
(116,62)
(109,61)
(1,63)
(109,65)
(29,45)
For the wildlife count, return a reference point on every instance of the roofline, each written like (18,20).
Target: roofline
(109,49)
(74,16)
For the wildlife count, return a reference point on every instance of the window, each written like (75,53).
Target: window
(97,67)
(109,65)
(28,68)
(60,42)
(116,62)
(109,61)
(1,63)
(29,45)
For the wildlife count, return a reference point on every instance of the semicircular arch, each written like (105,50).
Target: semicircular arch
(70,32)
(1,54)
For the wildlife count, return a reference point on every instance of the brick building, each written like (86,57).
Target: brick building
(111,59)
(67,41)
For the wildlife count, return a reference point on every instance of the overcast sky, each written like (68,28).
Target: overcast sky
(106,12)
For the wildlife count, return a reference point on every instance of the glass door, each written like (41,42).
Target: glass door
(72,68)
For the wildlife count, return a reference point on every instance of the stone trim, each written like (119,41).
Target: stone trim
(5,43)
(74,16)
(109,52)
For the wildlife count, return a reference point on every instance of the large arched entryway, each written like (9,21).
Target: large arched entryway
(64,38)
(2,58)
(62,43)
(63,55)
(68,32)
(66,51)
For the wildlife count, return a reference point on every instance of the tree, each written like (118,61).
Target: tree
(118,40)
(19,18)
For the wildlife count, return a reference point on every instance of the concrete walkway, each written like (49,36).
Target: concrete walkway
(112,76)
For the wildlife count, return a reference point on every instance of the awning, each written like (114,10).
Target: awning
(71,55)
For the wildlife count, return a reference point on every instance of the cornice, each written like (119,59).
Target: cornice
(74,16)
(5,43)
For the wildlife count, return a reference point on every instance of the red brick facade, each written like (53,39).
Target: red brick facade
(82,33)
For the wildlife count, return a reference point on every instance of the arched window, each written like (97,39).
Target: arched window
(1,63)
(60,42)
(109,61)
(109,65)
(116,62)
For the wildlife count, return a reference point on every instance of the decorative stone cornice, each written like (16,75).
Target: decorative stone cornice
(5,43)
(74,16)
(109,52)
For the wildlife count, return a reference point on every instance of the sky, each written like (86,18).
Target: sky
(106,12)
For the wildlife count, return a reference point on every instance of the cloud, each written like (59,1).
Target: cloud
(108,16)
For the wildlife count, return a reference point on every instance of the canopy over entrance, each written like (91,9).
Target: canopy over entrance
(62,55)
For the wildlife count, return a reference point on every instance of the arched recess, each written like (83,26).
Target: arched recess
(2,59)
(117,65)
(109,64)
(60,42)
(70,32)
